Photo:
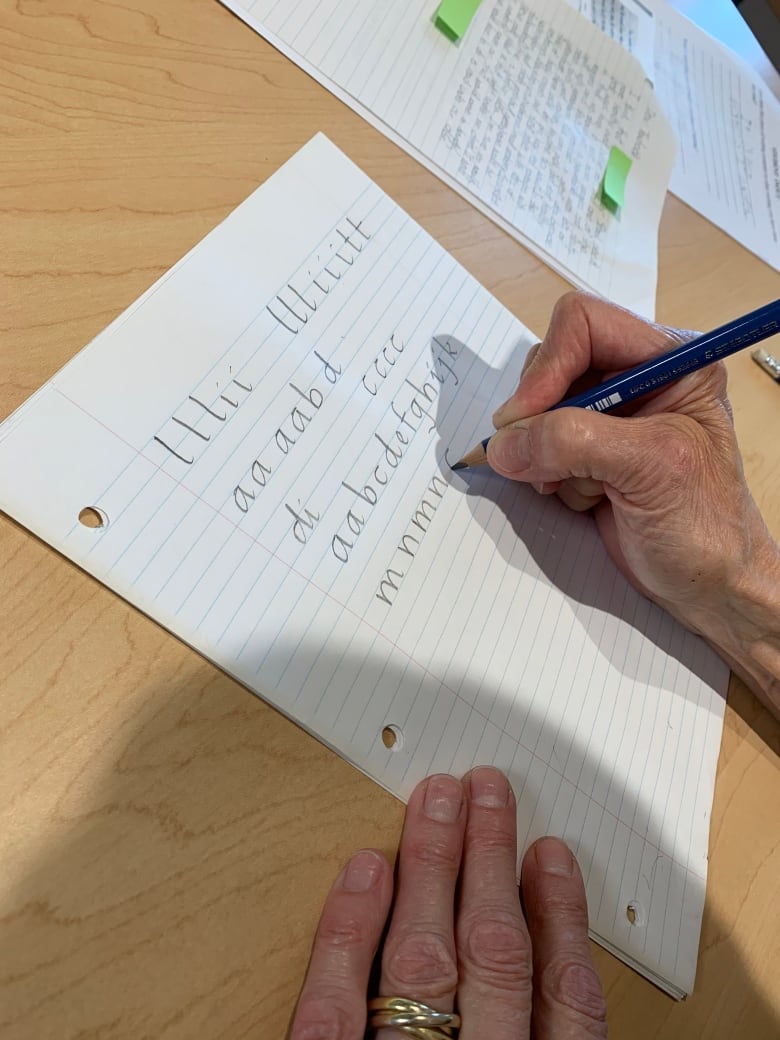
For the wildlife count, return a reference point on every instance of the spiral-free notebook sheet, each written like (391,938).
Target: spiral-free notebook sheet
(519,116)
(256,453)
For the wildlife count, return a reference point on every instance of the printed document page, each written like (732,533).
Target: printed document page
(727,124)
(519,116)
(256,453)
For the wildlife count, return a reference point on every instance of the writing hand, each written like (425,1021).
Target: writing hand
(665,482)
(457,936)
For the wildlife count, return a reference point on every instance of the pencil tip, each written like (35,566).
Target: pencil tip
(475,457)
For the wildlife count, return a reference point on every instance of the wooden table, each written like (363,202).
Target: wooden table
(166,838)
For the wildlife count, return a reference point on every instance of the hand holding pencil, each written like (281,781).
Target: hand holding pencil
(651,375)
(666,483)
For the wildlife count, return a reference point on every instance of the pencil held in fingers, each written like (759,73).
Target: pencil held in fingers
(657,372)
(513,448)
(476,457)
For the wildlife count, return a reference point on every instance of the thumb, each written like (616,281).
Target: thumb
(626,454)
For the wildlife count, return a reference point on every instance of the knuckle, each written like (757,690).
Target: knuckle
(559,443)
(328,1015)
(497,948)
(719,378)
(561,906)
(418,960)
(342,932)
(434,854)
(581,430)
(545,441)
(481,841)
(679,455)
(575,986)
(715,382)
(571,301)
(680,460)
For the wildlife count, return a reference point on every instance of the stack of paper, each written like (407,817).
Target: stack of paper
(725,118)
(519,116)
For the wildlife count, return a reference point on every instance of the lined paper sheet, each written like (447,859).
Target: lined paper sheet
(727,123)
(265,434)
(518,116)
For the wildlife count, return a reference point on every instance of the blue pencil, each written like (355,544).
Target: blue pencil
(652,375)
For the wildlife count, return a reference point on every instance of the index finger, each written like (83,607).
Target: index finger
(568,998)
(332,1004)
(586,332)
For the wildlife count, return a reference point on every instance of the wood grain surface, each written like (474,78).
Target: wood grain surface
(166,839)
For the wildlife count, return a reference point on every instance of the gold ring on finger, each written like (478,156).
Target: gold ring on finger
(413,1018)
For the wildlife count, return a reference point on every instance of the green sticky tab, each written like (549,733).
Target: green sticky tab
(454,16)
(613,187)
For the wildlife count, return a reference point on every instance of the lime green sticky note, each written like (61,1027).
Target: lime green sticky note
(613,187)
(454,16)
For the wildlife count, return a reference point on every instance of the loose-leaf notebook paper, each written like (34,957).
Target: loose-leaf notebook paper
(264,435)
(518,115)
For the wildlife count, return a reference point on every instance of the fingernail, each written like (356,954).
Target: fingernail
(443,799)
(362,871)
(510,448)
(489,788)
(554,857)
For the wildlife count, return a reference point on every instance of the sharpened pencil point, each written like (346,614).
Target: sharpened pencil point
(476,457)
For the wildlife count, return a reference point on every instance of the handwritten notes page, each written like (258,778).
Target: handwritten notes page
(727,124)
(264,435)
(519,116)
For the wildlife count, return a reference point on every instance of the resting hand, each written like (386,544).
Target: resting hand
(457,935)
(666,483)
